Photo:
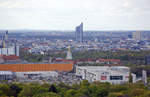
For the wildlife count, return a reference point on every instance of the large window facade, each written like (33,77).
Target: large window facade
(116,77)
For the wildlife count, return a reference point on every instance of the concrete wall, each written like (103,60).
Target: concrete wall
(36,74)
(104,74)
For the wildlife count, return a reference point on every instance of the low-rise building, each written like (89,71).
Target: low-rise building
(6,75)
(36,70)
(111,74)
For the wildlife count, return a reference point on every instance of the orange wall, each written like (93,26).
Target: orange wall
(35,67)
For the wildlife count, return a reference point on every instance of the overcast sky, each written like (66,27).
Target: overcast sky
(66,14)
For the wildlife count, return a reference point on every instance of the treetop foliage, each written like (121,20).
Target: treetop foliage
(84,89)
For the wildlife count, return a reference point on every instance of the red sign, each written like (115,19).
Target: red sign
(103,77)
(127,76)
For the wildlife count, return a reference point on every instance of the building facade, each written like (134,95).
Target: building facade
(79,33)
(14,50)
(36,70)
(113,74)
(137,35)
(6,75)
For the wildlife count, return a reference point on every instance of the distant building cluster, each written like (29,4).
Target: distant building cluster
(7,50)
(55,42)
(8,53)
(111,74)
(100,61)
(70,69)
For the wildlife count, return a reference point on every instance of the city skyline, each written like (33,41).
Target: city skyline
(55,15)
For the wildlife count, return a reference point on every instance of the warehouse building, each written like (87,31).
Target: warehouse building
(111,74)
(36,74)
(36,70)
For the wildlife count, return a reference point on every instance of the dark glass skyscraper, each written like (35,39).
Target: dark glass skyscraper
(79,33)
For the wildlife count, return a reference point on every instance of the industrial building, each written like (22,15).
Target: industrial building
(36,70)
(111,74)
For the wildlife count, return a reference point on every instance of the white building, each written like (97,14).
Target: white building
(134,80)
(17,50)
(6,75)
(10,51)
(137,35)
(113,74)
(4,51)
(144,77)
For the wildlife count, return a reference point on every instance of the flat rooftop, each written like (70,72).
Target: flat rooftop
(37,67)
(105,68)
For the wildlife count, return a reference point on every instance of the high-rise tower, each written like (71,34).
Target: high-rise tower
(6,36)
(79,33)
(137,35)
(6,39)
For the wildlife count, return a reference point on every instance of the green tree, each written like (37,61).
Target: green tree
(147,94)
(53,88)
(118,88)
(15,89)
(70,93)
(5,90)
(99,89)
(137,92)
(32,89)
(84,88)
(118,94)
(130,78)
(47,95)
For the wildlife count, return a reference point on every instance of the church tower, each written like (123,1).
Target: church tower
(69,54)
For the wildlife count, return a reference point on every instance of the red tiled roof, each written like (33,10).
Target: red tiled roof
(10,57)
(26,48)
